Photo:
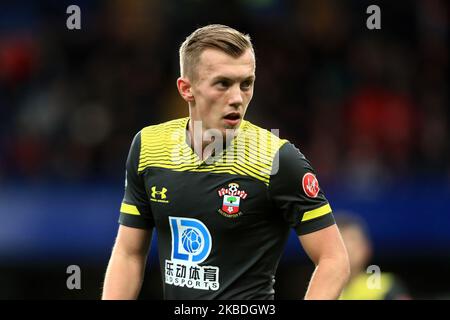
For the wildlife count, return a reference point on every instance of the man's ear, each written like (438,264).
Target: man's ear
(185,89)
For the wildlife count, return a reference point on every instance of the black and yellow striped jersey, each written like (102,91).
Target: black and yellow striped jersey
(222,224)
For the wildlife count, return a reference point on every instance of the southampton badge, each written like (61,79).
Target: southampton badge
(232,197)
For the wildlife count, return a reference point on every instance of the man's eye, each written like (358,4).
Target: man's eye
(223,84)
(246,84)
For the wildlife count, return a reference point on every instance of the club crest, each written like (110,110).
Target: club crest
(232,197)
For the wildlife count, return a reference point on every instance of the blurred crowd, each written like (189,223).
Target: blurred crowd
(360,103)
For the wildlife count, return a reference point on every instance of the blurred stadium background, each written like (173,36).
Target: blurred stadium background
(368,107)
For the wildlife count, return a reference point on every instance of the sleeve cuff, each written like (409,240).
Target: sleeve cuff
(135,221)
(315,224)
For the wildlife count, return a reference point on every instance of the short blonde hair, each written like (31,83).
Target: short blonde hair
(213,36)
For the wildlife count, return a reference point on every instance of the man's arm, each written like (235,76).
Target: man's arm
(125,272)
(327,250)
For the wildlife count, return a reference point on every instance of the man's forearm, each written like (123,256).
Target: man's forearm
(124,276)
(328,279)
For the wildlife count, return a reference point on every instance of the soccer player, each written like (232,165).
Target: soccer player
(365,285)
(221,193)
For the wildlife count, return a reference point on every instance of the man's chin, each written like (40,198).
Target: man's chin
(232,124)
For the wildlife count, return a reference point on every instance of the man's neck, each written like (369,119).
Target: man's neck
(203,141)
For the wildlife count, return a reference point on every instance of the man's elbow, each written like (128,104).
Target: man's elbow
(346,270)
(342,266)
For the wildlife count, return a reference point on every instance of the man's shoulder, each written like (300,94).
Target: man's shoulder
(286,148)
(263,137)
(163,133)
(165,127)
(161,144)
(284,153)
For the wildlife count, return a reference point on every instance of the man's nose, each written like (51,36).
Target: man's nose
(235,98)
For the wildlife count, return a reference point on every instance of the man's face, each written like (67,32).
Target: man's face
(222,89)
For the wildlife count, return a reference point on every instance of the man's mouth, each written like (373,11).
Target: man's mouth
(232,118)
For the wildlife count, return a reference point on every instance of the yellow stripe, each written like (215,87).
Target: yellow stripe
(168,163)
(216,171)
(250,154)
(130,209)
(241,165)
(239,168)
(321,211)
(177,167)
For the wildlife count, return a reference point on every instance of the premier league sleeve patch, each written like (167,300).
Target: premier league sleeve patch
(310,185)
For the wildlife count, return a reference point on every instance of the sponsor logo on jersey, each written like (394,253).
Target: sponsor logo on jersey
(231,200)
(191,245)
(310,185)
(158,195)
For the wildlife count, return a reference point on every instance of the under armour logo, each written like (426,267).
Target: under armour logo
(161,194)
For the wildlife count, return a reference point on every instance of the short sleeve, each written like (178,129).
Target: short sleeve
(135,208)
(295,191)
